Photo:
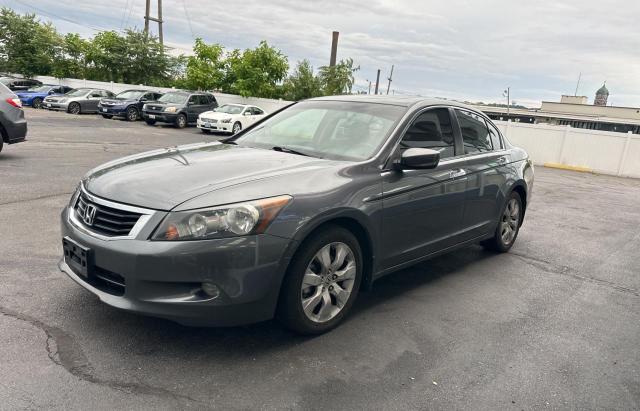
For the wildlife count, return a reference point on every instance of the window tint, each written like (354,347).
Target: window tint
(495,137)
(475,135)
(194,99)
(432,129)
(257,111)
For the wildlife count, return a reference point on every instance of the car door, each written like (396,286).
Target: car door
(92,100)
(246,117)
(423,209)
(486,180)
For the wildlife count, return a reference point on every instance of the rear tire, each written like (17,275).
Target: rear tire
(150,122)
(508,225)
(313,298)
(36,103)
(74,108)
(181,121)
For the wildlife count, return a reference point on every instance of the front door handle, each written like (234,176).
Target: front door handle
(457,173)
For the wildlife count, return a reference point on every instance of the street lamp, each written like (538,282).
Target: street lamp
(507,94)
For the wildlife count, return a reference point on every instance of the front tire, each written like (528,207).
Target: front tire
(237,127)
(74,108)
(205,131)
(322,282)
(150,122)
(181,121)
(508,225)
(132,114)
(36,103)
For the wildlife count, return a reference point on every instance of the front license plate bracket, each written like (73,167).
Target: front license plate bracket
(77,257)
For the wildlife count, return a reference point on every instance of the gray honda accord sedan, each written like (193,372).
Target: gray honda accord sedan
(293,216)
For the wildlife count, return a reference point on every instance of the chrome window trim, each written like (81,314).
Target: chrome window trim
(145,216)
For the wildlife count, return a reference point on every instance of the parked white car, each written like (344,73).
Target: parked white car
(229,118)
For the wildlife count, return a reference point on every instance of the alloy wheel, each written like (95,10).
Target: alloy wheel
(74,108)
(132,114)
(236,128)
(510,221)
(328,282)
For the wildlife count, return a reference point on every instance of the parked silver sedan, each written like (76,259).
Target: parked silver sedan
(79,100)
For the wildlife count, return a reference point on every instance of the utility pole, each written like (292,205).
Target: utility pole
(578,85)
(334,48)
(369,92)
(389,78)
(147,18)
(507,94)
(377,82)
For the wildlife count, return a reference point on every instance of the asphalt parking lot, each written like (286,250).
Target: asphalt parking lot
(554,324)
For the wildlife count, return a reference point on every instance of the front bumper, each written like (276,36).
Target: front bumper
(160,116)
(223,127)
(164,279)
(55,106)
(116,111)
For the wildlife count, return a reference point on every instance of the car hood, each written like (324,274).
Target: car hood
(217,115)
(118,101)
(163,179)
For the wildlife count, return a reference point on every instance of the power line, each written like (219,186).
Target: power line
(126,23)
(47,13)
(186,13)
(124,13)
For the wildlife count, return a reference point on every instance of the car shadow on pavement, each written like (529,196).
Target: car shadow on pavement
(258,339)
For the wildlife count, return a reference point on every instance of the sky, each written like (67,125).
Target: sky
(460,49)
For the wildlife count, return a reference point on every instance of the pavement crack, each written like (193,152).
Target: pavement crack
(44,197)
(63,350)
(550,267)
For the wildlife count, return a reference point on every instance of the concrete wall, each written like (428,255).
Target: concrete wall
(267,105)
(599,151)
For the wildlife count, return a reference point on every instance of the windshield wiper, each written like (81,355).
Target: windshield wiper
(291,151)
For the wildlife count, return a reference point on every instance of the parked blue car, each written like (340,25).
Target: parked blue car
(33,97)
(127,104)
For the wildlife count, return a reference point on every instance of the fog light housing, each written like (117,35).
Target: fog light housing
(211,289)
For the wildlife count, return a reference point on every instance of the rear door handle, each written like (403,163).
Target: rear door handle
(457,173)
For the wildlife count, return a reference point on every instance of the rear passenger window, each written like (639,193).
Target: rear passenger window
(257,111)
(475,135)
(495,137)
(432,129)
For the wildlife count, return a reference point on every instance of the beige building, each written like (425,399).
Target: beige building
(575,112)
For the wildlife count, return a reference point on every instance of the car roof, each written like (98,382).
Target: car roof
(403,101)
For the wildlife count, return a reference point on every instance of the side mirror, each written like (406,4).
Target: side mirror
(417,159)
(246,113)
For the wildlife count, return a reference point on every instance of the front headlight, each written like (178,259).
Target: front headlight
(252,217)
(144,106)
(170,109)
(226,120)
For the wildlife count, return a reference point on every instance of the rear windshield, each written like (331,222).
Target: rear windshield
(174,98)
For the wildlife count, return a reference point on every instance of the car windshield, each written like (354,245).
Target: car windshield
(338,130)
(130,95)
(41,89)
(230,109)
(174,98)
(77,92)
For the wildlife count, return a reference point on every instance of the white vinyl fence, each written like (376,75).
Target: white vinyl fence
(266,104)
(598,151)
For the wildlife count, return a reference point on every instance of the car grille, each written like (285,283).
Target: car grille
(110,222)
(209,120)
(156,108)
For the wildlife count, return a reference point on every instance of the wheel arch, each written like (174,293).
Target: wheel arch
(353,220)
(520,187)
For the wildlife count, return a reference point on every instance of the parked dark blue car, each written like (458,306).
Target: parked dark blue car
(127,104)
(33,97)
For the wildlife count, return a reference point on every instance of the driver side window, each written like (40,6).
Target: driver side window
(432,129)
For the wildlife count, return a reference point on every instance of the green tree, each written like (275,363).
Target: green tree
(206,69)
(338,79)
(258,71)
(70,57)
(302,83)
(27,46)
